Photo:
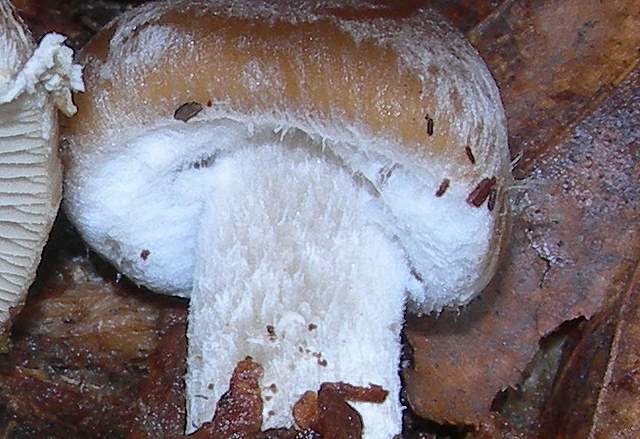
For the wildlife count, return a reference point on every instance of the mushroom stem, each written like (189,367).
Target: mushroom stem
(294,272)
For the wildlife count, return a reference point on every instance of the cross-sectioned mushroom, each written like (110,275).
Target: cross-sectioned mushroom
(34,83)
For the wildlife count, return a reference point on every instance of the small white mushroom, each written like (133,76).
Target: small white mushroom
(34,83)
(301,174)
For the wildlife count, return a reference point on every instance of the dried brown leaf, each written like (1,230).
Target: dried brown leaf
(554,60)
(597,391)
(575,240)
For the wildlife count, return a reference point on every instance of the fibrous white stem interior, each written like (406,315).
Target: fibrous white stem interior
(292,270)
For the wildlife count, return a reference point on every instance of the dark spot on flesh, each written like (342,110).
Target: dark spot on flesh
(491,203)
(312,326)
(144,254)
(271,331)
(470,155)
(429,125)
(385,174)
(443,187)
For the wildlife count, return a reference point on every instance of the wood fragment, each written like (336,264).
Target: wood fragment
(429,125)
(327,412)
(470,155)
(479,195)
(187,111)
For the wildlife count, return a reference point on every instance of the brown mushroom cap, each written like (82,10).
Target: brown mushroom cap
(397,83)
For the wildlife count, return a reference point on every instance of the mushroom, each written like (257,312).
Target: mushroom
(301,173)
(34,83)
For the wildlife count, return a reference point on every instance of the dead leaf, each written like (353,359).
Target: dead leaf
(464,14)
(575,240)
(554,61)
(597,391)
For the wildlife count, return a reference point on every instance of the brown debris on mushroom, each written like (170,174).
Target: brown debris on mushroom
(187,111)
(239,411)
(481,192)
(443,187)
(328,413)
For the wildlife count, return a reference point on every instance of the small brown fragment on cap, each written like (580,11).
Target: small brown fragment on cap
(479,195)
(144,254)
(429,125)
(312,326)
(187,111)
(443,187)
(470,155)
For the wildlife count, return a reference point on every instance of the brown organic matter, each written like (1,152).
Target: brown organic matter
(86,351)
(554,61)
(239,411)
(606,358)
(328,413)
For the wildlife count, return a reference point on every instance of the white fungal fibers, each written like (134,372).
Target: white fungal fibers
(292,271)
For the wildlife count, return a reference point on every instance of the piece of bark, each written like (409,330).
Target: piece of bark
(575,239)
